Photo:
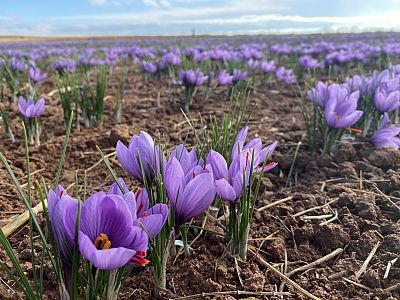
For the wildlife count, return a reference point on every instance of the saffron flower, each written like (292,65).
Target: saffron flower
(341,108)
(149,67)
(307,62)
(268,66)
(254,146)
(187,159)
(287,76)
(62,213)
(238,75)
(30,109)
(141,146)
(319,94)
(108,237)
(229,183)
(192,78)
(191,197)
(224,78)
(152,219)
(36,75)
(386,135)
(386,99)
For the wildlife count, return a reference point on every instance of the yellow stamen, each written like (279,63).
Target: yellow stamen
(102,242)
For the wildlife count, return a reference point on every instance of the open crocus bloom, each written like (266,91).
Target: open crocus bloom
(108,237)
(30,109)
(152,219)
(188,198)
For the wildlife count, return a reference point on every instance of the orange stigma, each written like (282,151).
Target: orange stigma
(102,242)
(356,130)
(139,259)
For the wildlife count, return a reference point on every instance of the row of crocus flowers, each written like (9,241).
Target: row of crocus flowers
(364,105)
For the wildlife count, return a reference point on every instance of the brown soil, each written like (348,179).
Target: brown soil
(364,216)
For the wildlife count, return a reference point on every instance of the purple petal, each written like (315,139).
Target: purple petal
(109,259)
(225,190)
(218,164)
(197,197)
(174,180)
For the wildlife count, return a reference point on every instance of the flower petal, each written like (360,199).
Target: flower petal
(225,190)
(109,259)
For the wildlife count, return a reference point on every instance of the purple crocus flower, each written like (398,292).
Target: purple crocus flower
(171,58)
(224,78)
(191,197)
(68,65)
(238,75)
(341,108)
(30,109)
(149,67)
(280,73)
(192,77)
(386,100)
(229,182)
(287,76)
(187,159)
(62,213)
(152,219)
(386,135)
(255,148)
(354,83)
(35,75)
(141,146)
(268,66)
(319,94)
(307,62)
(108,237)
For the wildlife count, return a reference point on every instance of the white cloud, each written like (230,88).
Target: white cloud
(228,16)
(98,2)
(156,3)
(165,3)
(151,3)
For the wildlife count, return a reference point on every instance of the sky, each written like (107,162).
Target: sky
(183,17)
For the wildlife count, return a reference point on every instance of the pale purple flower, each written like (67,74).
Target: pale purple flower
(224,78)
(149,67)
(35,75)
(141,147)
(268,66)
(238,75)
(230,183)
(341,108)
(192,77)
(386,100)
(31,109)
(386,135)
(189,195)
